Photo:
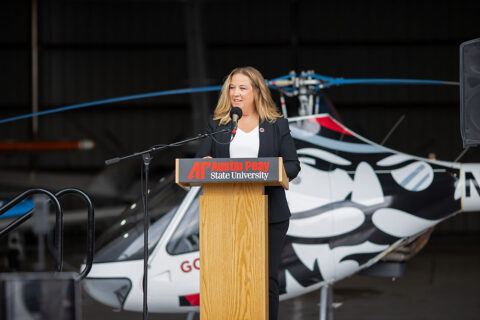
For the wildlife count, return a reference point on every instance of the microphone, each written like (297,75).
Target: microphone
(236,114)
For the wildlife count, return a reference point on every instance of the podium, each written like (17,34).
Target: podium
(233,232)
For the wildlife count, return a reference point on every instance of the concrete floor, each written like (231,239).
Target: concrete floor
(441,282)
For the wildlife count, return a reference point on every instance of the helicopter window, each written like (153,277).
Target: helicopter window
(130,245)
(185,238)
(124,240)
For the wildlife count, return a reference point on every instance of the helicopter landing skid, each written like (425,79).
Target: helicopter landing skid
(326,302)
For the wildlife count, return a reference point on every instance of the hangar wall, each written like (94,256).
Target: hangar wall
(97,49)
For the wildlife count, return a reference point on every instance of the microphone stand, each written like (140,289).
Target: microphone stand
(144,190)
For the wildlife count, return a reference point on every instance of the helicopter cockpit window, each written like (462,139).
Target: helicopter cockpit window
(185,238)
(124,240)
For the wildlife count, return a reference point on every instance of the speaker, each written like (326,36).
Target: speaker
(39,296)
(470,92)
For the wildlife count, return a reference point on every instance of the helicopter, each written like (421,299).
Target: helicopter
(356,206)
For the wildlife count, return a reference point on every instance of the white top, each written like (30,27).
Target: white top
(245,145)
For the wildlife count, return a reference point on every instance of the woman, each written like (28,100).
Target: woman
(262,132)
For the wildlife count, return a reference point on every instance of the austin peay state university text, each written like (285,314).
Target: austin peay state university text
(238,170)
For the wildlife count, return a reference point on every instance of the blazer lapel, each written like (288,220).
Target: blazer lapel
(223,150)
(266,139)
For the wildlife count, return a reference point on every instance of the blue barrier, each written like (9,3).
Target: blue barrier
(20,209)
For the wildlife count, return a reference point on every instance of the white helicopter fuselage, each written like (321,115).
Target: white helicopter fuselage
(352,203)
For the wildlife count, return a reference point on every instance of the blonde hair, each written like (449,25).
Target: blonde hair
(263,99)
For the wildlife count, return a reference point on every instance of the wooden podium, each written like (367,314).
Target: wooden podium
(233,233)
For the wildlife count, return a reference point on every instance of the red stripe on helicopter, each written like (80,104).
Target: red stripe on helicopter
(327,122)
(193,299)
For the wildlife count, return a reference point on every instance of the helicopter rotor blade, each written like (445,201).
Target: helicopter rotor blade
(289,84)
(112,100)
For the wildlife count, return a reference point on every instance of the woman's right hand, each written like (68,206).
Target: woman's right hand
(207,157)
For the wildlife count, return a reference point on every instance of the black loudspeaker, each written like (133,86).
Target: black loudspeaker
(470,92)
(39,296)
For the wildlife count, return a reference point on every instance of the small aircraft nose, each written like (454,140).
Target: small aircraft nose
(110,291)
(469,187)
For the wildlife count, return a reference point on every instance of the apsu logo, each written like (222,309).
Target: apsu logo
(198,170)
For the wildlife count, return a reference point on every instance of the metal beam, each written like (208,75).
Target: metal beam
(196,59)
(34,48)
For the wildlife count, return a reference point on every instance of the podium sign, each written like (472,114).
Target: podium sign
(268,171)
(233,233)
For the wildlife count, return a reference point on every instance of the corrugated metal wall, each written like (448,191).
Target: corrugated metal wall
(92,50)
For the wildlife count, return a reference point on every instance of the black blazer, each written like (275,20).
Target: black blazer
(275,141)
